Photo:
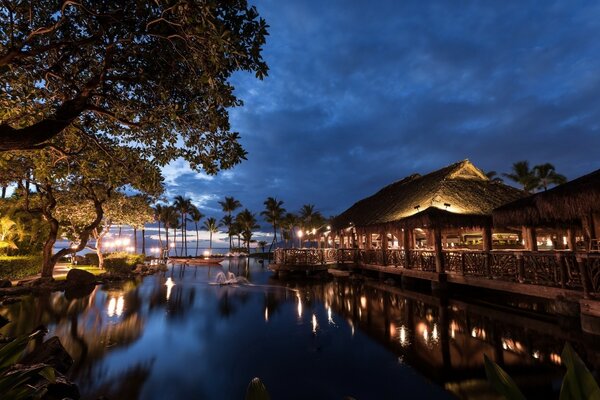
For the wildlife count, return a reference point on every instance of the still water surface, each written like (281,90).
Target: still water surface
(176,336)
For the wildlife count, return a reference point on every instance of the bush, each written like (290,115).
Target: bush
(19,267)
(91,259)
(122,262)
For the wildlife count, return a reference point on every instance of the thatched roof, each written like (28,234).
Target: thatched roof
(563,205)
(457,195)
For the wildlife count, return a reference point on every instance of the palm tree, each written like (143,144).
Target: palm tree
(547,175)
(228,221)
(524,176)
(247,223)
(212,226)
(262,244)
(273,214)
(229,205)
(170,219)
(493,176)
(309,218)
(158,210)
(184,206)
(289,222)
(196,216)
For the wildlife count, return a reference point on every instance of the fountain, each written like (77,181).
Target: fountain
(229,278)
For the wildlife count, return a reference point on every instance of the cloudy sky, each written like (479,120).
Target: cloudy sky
(361,94)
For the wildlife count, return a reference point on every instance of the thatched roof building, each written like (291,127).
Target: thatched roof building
(563,206)
(459,195)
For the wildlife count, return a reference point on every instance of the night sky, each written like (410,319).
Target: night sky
(361,94)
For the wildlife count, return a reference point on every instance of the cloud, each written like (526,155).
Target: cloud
(359,97)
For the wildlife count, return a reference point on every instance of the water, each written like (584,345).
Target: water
(176,335)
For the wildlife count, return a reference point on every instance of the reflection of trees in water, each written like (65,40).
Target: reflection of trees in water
(124,385)
(87,326)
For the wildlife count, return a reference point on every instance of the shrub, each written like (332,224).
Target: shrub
(91,259)
(19,267)
(122,262)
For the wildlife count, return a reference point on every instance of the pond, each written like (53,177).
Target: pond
(175,335)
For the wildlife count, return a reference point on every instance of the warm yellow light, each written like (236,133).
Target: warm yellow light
(169,284)
(206,253)
(300,233)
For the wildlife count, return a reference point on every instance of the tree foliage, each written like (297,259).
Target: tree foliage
(154,74)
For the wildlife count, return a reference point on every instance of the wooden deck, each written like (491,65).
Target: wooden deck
(544,274)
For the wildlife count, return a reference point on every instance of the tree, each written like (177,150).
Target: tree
(289,222)
(229,205)
(196,216)
(184,206)
(546,175)
(524,176)
(310,219)
(247,223)
(119,209)
(79,174)
(151,74)
(493,176)
(157,217)
(273,215)
(262,244)
(212,226)
(170,219)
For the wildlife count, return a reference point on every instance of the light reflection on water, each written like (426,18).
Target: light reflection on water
(173,335)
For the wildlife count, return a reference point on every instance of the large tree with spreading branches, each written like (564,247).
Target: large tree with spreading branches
(153,74)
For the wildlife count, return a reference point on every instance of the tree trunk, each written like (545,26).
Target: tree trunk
(167,234)
(197,239)
(143,240)
(48,261)
(160,237)
(99,251)
(210,241)
(3,192)
(134,240)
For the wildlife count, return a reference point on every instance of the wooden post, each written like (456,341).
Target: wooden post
(525,237)
(487,238)
(487,247)
(585,277)
(520,267)
(369,240)
(437,247)
(384,246)
(571,240)
(532,239)
(588,231)
(408,245)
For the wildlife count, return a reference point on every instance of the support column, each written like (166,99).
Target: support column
(487,238)
(571,240)
(369,240)
(384,246)
(437,247)
(531,239)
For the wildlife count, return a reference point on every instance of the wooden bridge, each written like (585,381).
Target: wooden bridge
(574,276)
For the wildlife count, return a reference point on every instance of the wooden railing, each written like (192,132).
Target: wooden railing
(560,269)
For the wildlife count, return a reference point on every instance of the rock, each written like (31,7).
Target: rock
(5,283)
(80,276)
(52,353)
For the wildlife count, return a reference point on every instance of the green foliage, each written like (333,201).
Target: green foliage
(14,384)
(578,383)
(91,259)
(122,262)
(257,391)
(501,381)
(19,267)
(29,230)
(154,75)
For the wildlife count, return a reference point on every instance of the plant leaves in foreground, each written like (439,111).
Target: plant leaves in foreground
(500,380)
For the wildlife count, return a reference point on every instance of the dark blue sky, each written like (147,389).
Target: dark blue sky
(361,94)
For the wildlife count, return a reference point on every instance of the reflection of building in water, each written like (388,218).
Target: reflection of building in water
(446,339)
